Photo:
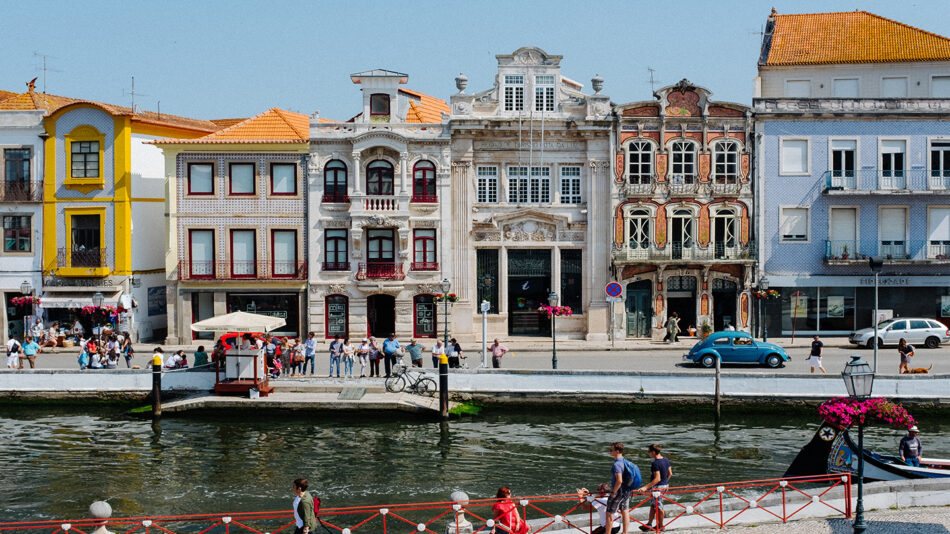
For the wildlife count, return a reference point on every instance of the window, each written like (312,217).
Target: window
(243,253)
(940,164)
(681,233)
(283,179)
(423,250)
(487,185)
(794,156)
(423,182)
(335,248)
(843,157)
(85,233)
(845,87)
(640,222)
(938,232)
(17,164)
(241,178)
(379,178)
(17,233)
(843,232)
(514,92)
(284,255)
(534,189)
(727,163)
(201,253)
(894,87)
(892,224)
(337,312)
(724,225)
(640,162)
(544,93)
(940,87)
(85,159)
(684,162)
(571,185)
(892,163)
(200,179)
(381,245)
(794,224)
(334,181)
(379,104)
(572,280)
(425,316)
(486,272)
(797,88)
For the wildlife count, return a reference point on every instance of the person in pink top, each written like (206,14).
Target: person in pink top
(497,351)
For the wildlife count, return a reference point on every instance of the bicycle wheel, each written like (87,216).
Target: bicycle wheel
(427,387)
(395,384)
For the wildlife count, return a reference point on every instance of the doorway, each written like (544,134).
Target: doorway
(681,234)
(381,315)
(202,307)
(529,282)
(639,309)
(724,293)
(681,298)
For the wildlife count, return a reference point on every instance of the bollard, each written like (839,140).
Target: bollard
(444,386)
(156,387)
(460,525)
(718,400)
(103,511)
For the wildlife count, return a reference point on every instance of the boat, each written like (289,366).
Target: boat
(831,450)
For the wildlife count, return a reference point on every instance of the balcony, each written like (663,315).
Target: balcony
(424,199)
(336,266)
(82,259)
(384,203)
(377,270)
(681,185)
(244,270)
(21,191)
(886,182)
(632,189)
(338,198)
(640,252)
(845,252)
(721,187)
(424,266)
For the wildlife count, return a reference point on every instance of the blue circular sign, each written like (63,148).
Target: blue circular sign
(614,289)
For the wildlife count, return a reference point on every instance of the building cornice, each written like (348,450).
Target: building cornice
(833,107)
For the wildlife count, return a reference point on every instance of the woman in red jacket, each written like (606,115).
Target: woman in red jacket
(506,513)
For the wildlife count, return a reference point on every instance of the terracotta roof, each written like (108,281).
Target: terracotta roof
(6,94)
(850,37)
(224,123)
(428,109)
(272,126)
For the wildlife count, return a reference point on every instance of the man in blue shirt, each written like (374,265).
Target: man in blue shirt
(660,471)
(30,348)
(310,348)
(619,496)
(390,348)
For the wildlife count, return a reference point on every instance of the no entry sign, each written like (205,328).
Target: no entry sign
(613,289)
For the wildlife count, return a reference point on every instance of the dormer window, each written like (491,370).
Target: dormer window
(514,92)
(379,106)
(544,93)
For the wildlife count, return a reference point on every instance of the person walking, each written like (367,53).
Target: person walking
(309,352)
(814,357)
(910,448)
(661,471)
(437,352)
(305,517)
(13,353)
(624,477)
(390,349)
(906,351)
(455,354)
(128,351)
(348,355)
(298,358)
(336,352)
(29,350)
(497,351)
(374,355)
(415,352)
(362,352)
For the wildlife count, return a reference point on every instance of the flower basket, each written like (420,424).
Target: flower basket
(25,301)
(846,412)
(769,294)
(102,313)
(450,298)
(555,311)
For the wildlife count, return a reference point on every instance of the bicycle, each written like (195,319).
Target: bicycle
(404,378)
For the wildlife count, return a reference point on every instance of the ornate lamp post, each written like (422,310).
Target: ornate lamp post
(859,379)
(876,264)
(97,299)
(552,302)
(764,286)
(26,288)
(446,286)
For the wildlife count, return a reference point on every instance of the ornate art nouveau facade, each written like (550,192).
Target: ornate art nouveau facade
(681,235)
(530,199)
(380,223)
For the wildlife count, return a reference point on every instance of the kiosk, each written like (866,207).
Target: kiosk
(244,371)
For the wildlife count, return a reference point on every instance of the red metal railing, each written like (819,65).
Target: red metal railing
(424,266)
(335,198)
(382,270)
(424,198)
(253,270)
(715,505)
(336,266)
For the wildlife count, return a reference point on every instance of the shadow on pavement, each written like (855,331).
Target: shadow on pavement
(846,526)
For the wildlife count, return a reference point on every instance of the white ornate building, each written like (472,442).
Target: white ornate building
(530,199)
(378,219)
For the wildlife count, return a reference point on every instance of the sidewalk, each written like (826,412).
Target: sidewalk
(929,520)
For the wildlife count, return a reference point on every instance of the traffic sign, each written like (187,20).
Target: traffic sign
(613,289)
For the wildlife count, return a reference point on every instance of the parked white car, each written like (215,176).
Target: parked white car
(916,330)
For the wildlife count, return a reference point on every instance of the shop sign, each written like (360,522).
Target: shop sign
(886,281)
(156,301)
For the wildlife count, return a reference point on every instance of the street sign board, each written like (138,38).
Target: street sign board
(614,299)
(613,289)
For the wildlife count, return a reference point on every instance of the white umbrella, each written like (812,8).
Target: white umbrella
(239,322)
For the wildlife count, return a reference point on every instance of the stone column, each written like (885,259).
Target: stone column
(457,221)
(357,179)
(403,173)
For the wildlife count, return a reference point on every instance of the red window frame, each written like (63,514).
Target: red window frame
(273,253)
(343,241)
(326,314)
(391,237)
(231,255)
(373,98)
(428,246)
(334,168)
(423,179)
(435,317)
(381,174)
(191,258)
(201,193)
(253,179)
(272,192)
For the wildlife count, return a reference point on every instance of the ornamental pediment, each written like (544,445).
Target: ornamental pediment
(530,215)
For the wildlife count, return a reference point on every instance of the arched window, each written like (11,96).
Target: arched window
(683,168)
(726,170)
(337,316)
(724,227)
(425,318)
(334,182)
(379,178)
(681,233)
(640,162)
(423,182)
(639,224)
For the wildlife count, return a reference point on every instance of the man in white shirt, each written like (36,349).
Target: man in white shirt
(599,503)
(37,330)
(13,354)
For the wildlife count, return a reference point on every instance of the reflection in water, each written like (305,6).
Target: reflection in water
(241,462)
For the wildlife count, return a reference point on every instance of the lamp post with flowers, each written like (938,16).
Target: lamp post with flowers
(858,380)
(446,286)
(552,310)
(764,294)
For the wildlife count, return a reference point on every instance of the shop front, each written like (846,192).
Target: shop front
(283,305)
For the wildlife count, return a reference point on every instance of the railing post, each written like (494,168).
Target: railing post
(102,511)
(156,387)
(460,525)
(444,386)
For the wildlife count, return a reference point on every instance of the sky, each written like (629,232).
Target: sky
(228,59)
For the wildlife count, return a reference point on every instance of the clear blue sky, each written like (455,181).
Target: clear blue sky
(218,59)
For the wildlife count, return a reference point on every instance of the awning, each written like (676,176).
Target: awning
(75,300)
(239,322)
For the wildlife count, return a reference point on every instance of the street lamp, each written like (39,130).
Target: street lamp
(26,288)
(97,299)
(552,302)
(876,264)
(858,380)
(446,286)
(764,286)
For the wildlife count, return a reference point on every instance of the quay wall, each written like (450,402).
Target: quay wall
(103,383)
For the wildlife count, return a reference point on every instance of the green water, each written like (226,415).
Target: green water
(55,461)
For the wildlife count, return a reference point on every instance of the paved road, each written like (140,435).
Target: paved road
(934,520)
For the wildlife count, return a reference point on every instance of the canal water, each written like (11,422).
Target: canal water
(55,461)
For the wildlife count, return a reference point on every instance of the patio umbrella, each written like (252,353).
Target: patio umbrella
(239,322)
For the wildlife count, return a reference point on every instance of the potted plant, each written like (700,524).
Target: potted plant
(844,252)
(705,329)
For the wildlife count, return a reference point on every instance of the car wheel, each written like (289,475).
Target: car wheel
(773,360)
(932,342)
(870,343)
(708,361)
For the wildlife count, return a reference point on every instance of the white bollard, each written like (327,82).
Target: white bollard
(103,511)
(459,524)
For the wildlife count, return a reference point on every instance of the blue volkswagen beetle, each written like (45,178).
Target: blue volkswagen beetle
(736,347)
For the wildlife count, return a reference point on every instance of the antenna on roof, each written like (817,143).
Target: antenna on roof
(45,67)
(132,93)
(653,80)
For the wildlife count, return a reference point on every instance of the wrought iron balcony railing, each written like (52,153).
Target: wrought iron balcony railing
(380,270)
(81,257)
(21,191)
(894,250)
(674,251)
(424,266)
(884,181)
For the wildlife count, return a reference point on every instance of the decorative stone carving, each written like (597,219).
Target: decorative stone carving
(335,223)
(572,235)
(486,236)
(379,220)
(530,231)
(428,289)
(425,224)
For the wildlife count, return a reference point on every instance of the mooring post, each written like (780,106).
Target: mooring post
(444,386)
(102,511)
(718,391)
(459,524)
(156,387)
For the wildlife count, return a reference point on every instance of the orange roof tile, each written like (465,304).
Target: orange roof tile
(6,94)
(428,109)
(850,37)
(272,126)
(224,123)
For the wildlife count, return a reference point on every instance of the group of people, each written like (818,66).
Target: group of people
(104,350)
